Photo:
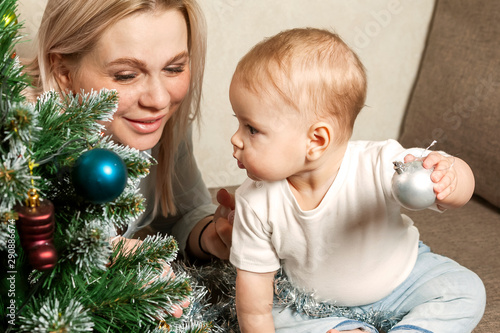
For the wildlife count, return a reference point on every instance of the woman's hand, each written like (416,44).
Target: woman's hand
(176,310)
(212,236)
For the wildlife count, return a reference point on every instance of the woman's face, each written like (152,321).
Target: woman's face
(145,58)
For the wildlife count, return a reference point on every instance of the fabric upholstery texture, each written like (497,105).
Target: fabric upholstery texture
(456,96)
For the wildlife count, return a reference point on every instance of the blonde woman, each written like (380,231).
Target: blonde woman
(152,53)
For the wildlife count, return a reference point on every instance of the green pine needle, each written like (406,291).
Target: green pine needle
(87,248)
(15,181)
(53,315)
(20,127)
(71,123)
(152,250)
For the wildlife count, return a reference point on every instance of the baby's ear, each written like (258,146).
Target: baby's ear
(320,136)
(61,72)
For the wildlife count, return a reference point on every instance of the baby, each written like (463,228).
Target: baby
(320,206)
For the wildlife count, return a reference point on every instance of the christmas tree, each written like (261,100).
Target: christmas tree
(59,272)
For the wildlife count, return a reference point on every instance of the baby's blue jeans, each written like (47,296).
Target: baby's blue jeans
(439,296)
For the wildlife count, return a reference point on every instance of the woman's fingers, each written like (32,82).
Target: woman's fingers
(225,198)
(129,247)
(177,310)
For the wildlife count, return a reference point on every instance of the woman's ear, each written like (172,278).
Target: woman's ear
(320,137)
(61,71)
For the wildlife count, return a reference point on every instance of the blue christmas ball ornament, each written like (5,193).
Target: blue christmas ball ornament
(99,175)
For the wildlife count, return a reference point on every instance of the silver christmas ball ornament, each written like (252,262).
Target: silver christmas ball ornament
(412,186)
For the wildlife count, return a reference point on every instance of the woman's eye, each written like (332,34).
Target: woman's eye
(252,130)
(125,77)
(175,69)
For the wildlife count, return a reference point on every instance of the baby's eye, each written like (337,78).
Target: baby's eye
(252,130)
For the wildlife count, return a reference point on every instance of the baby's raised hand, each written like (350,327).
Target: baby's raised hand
(444,175)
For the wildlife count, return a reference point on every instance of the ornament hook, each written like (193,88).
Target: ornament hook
(399,167)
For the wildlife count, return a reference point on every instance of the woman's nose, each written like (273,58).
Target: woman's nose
(155,94)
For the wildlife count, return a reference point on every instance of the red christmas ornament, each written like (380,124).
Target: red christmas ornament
(36,230)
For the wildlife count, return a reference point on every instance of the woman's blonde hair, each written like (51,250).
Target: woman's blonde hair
(71,28)
(313,71)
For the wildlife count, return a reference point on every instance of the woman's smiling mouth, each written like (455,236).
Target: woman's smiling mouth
(145,126)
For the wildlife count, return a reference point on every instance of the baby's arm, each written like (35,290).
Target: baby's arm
(453,178)
(254,301)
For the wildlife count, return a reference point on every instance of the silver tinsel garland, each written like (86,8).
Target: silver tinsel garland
(287,295)
(213,295)
(218,278)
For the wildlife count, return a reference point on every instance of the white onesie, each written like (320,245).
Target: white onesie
(353,249)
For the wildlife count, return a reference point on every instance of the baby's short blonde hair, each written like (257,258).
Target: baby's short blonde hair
(311,70)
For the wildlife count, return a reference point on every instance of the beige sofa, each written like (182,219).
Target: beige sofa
(455,101)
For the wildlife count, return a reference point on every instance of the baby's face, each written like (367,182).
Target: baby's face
(271,139)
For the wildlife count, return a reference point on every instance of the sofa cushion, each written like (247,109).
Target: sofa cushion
(456,96)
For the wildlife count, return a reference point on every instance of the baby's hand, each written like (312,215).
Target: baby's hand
(444,175)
